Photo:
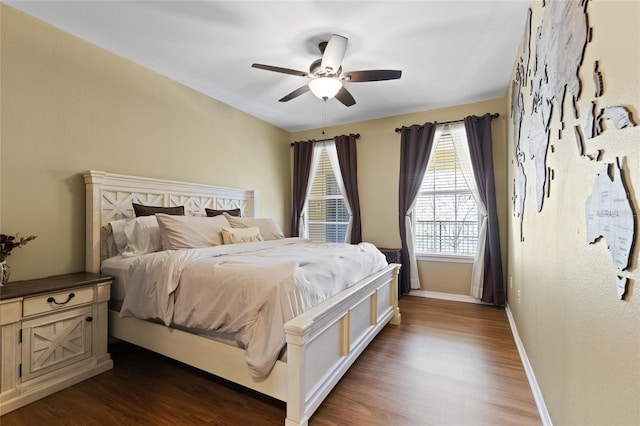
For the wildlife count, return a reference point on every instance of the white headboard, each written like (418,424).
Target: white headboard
(110,197)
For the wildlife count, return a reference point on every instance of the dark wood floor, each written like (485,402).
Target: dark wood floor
(448,363)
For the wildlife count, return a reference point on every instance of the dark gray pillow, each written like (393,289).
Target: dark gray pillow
(232,212)
(142,210)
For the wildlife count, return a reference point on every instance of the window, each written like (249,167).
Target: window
(446,218)
(326,213)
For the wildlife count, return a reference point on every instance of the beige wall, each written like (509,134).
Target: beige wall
(583,343)
(69,106)
(378,174)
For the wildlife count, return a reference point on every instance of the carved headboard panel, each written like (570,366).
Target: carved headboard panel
(110,197)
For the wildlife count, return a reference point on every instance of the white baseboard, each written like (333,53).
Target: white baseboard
(533,383)
(444,296)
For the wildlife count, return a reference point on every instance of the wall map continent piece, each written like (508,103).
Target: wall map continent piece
(517,114)
(621,287)
(620,116)
(610,216)
(561,42)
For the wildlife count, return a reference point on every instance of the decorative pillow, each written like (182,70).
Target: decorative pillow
(268,228)
(142,210)
(232,212)
(241,235)
(142,236)
(179,232)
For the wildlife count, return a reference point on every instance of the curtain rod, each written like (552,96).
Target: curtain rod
(356,135)
(493,117)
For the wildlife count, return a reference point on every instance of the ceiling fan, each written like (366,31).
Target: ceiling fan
(326,74)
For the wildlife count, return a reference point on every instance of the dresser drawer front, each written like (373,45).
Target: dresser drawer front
(52,302)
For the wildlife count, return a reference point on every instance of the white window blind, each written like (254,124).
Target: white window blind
(327,216)
(446,215)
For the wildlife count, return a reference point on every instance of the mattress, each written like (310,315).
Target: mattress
(117,267)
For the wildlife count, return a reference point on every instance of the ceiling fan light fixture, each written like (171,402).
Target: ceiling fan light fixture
(326,77)
(325,87)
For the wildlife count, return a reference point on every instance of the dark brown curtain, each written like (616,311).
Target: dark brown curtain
(415,147)
(481,151)
(348,160)
(302,156)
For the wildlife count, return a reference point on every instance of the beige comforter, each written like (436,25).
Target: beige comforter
(250,290)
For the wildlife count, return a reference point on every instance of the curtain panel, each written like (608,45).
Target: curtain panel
(302,160)
(330,148)
(481,153)
(459,136)
(416,143)
(347,157)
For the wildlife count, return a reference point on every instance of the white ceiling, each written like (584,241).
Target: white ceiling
(451,52)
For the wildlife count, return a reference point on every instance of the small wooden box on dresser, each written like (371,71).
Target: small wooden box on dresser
(53,334)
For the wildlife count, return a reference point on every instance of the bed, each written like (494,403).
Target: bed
(321,343)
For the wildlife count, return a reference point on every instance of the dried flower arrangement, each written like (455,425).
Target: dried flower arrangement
(10,242)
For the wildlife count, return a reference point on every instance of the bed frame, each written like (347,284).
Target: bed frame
(322,343)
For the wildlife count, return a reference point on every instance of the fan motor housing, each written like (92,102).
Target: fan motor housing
(315,69)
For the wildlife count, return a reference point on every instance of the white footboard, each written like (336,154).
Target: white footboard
(324,342)
(321,344)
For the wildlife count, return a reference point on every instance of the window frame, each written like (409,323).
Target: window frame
(439,256)
(318,149)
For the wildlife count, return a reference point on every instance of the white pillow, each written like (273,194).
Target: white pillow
(179,232)
(133,236)
(112,250)
(115,232)
(268,228)
(241,235)
(142,236)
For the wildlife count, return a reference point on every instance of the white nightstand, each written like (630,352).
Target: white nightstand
(53,334)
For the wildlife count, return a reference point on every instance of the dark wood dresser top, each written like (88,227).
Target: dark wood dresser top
(14,289)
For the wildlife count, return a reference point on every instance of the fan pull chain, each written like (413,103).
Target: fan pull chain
(324,116)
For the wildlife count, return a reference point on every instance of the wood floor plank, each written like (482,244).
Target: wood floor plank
(448,363)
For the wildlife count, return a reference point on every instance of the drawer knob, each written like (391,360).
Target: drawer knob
(53,299)
(89,319)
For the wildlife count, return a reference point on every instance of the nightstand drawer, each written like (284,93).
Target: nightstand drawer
(50,302)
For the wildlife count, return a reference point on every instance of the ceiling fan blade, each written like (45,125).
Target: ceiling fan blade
(345,97)
(280,69)
(300,91)
(333,54)
(371,75)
